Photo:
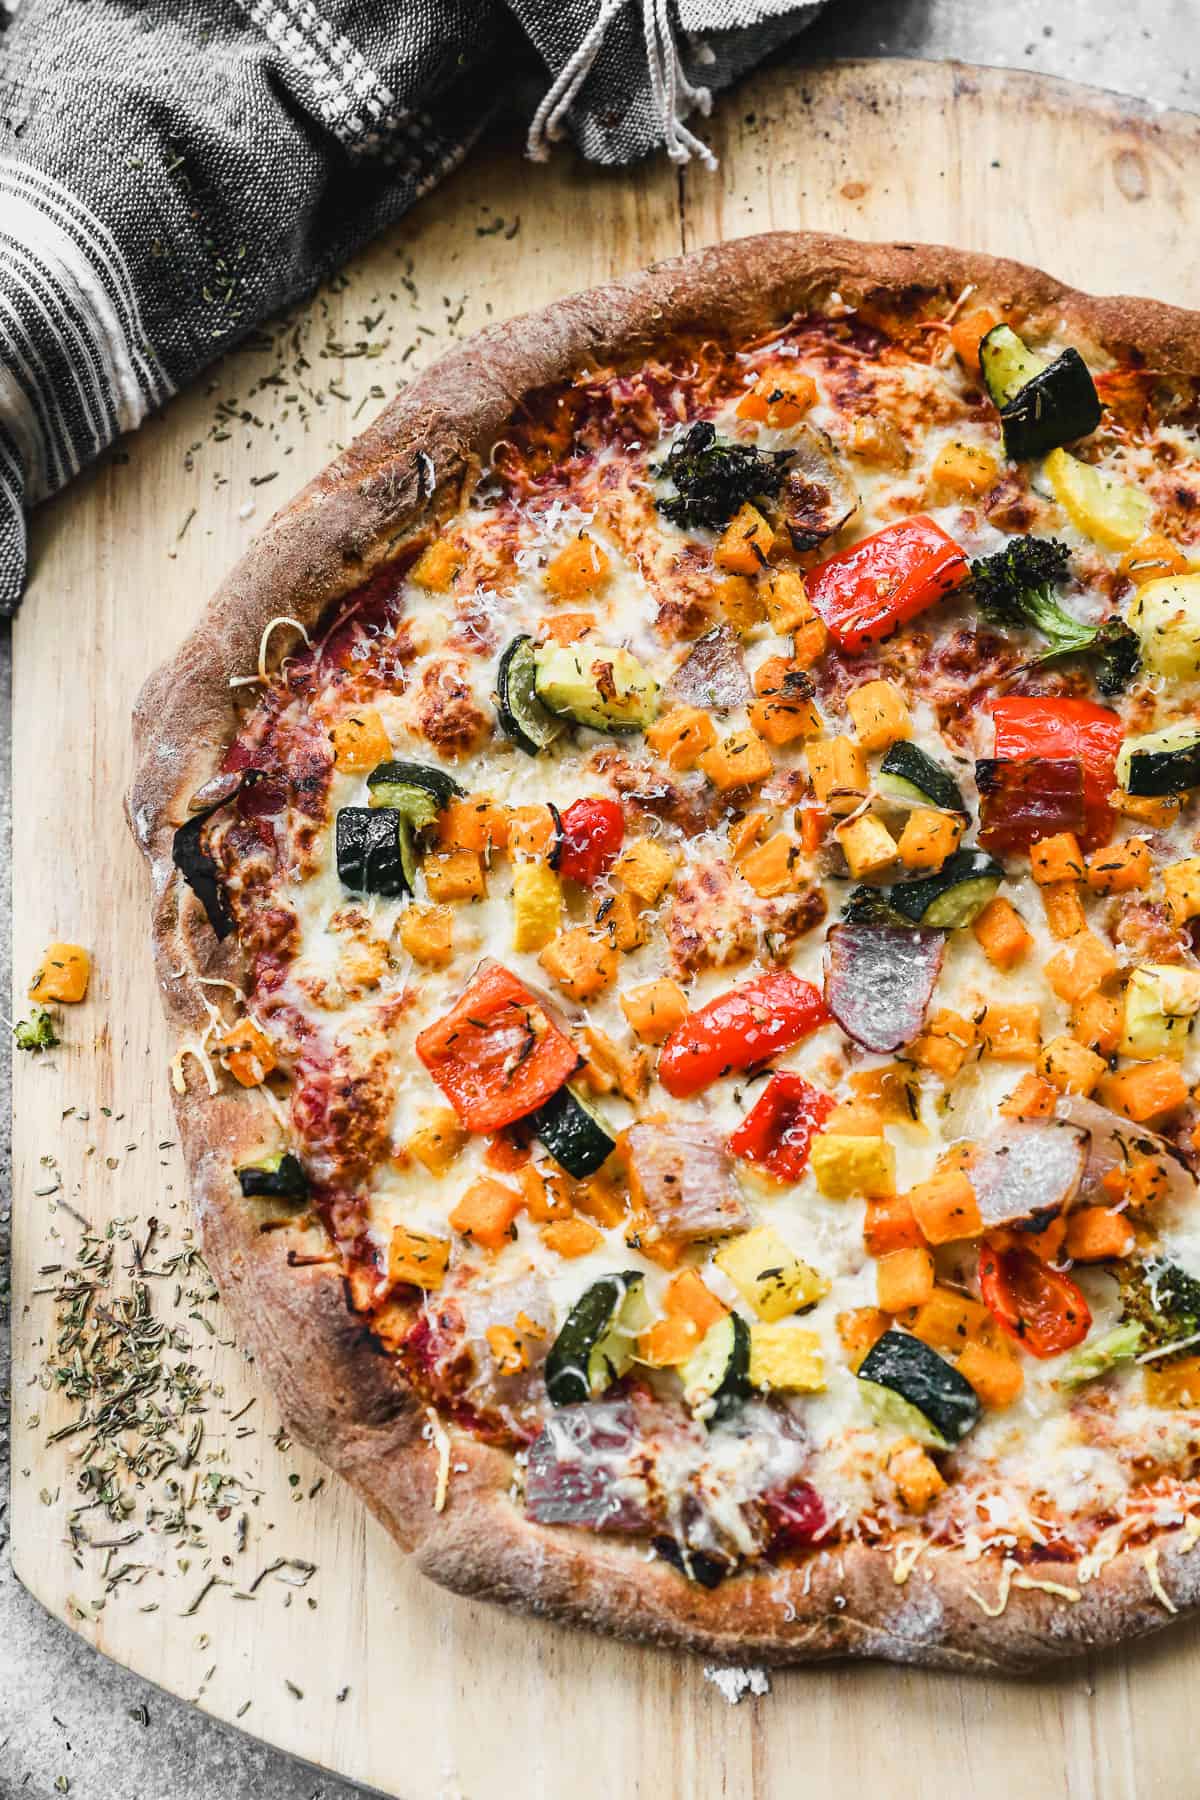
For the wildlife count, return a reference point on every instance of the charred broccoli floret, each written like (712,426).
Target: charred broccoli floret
(36,1033)
(714,476)
(1162,1298)
(1015,587)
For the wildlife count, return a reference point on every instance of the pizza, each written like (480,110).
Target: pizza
(675,885)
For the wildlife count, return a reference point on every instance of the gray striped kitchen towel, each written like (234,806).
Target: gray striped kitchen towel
(172,172)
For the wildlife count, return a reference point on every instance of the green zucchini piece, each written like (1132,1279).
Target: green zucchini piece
(1042,405)
(375,852)
(575,1135)
(522,716)
(414,789)
(930,1385)
(597,685)
(278,1177)
(716,1377)
(1007,363)
(595,1346)
(887,1407)
(1160,762)
(909,773)
(952,898)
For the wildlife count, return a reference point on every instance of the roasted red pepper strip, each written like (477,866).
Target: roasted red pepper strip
(1021,802)
(592,831)
(1059,730)
(777,1131)
(738,1030)
(497,1054)
(1035,1304)
(864,593)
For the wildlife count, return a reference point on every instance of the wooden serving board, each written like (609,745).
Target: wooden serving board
(449,1698)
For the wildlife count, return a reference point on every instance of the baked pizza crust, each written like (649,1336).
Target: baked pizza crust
(339,1391)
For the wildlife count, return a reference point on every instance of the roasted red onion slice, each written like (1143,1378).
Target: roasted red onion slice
(879,980)
(1025,1169)
(579,1473)
(1027,799)
(713,674)
(685,1179)
(1116,1143)
(817,496)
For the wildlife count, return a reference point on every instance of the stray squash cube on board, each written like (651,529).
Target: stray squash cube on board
(62,974)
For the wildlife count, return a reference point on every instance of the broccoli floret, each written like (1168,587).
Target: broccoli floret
(714,476)
(37,1032)
(1163,1299)
(1016,588)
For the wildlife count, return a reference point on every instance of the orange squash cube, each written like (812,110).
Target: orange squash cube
(740,760)
(1063,909)
(1148,1091)
(744,547)
(890,1225)
(996,1376)
(1011,1033)
(903,1278)
(581,963)
(570,1238)
(945,1207)
(247,1053)
(859,1330)
(1002,934)
(360,740)
(581,568)
(1096,1233)
(681,736)
(486,1213)
(1070,1066)
(1120,868)
(63,974)
(780,398)
(1056,859)
(1085,965)
(437,566)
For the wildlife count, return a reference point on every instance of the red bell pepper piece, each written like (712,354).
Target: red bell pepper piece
(497,1054)
(864,593)
(1059,729)
(592,831)
(1024,801)
(738,1030)
(779,1128)
(1035,1304)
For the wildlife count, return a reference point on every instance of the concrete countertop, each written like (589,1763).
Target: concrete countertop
(66,1712)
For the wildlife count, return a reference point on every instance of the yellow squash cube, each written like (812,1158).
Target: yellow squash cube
(771,1279)
(537,905)
(787,1357)
(844,1166)
(867,845)
(880,714)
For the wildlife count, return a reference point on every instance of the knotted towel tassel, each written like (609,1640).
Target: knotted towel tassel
(674,95)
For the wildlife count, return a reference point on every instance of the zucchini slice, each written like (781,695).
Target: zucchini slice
(597,685)
(278,1177)
(925,1382)
(576,1136)
(909,773)
(716,1377)
(595,1346)
(1160,762)
(952,898)
(522,716)
(375,852)
(414,789)
(1042,405)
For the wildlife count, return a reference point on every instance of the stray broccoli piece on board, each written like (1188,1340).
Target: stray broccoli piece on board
(1015,587)
(37,1032)
(714,476)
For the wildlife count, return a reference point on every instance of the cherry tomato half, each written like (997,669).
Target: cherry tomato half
(592,831)
(1042,1309)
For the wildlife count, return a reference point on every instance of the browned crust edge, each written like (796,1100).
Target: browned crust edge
(338,1391)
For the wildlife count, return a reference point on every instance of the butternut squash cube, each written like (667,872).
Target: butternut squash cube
(455,875)
(786,600)
(779,399)
(918,1479)
(867,845)
(1001,933)
(583,965)
(439,1139)
(928,838)
(949,1320)
(570,1238)
(1084,965)
(63,974)
(1097,1234)
(647,870)
(1011,1033)
(1181,885)
(581,568)
(739,760)
(475,823)
(1070,1066)
(945,1207)
(838,773)
(741,602)
(486,1212)
(360,740)
(903,1278)
(744,546)
(859,1330)
(773,867)
(247,1053)
(437,566)
(1056,859)
(653,1011)
(995,1374)
(1063,908)
(417,1259)
(427,933)
(964,469)
(1146,1092)
(1120,868)
(531,830)
(681,737)
(945,1044)
(618,913)
(880,715)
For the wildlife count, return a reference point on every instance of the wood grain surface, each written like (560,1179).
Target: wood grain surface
(446,1698)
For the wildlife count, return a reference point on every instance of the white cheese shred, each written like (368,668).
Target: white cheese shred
(435,1432)
(1154,1577)
(254,680)
(1012,1575)
(734,1684)
(196,1050)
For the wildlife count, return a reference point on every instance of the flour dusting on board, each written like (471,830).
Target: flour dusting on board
(734,1684)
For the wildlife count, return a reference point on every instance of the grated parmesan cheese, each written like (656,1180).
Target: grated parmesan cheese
(734,1684)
